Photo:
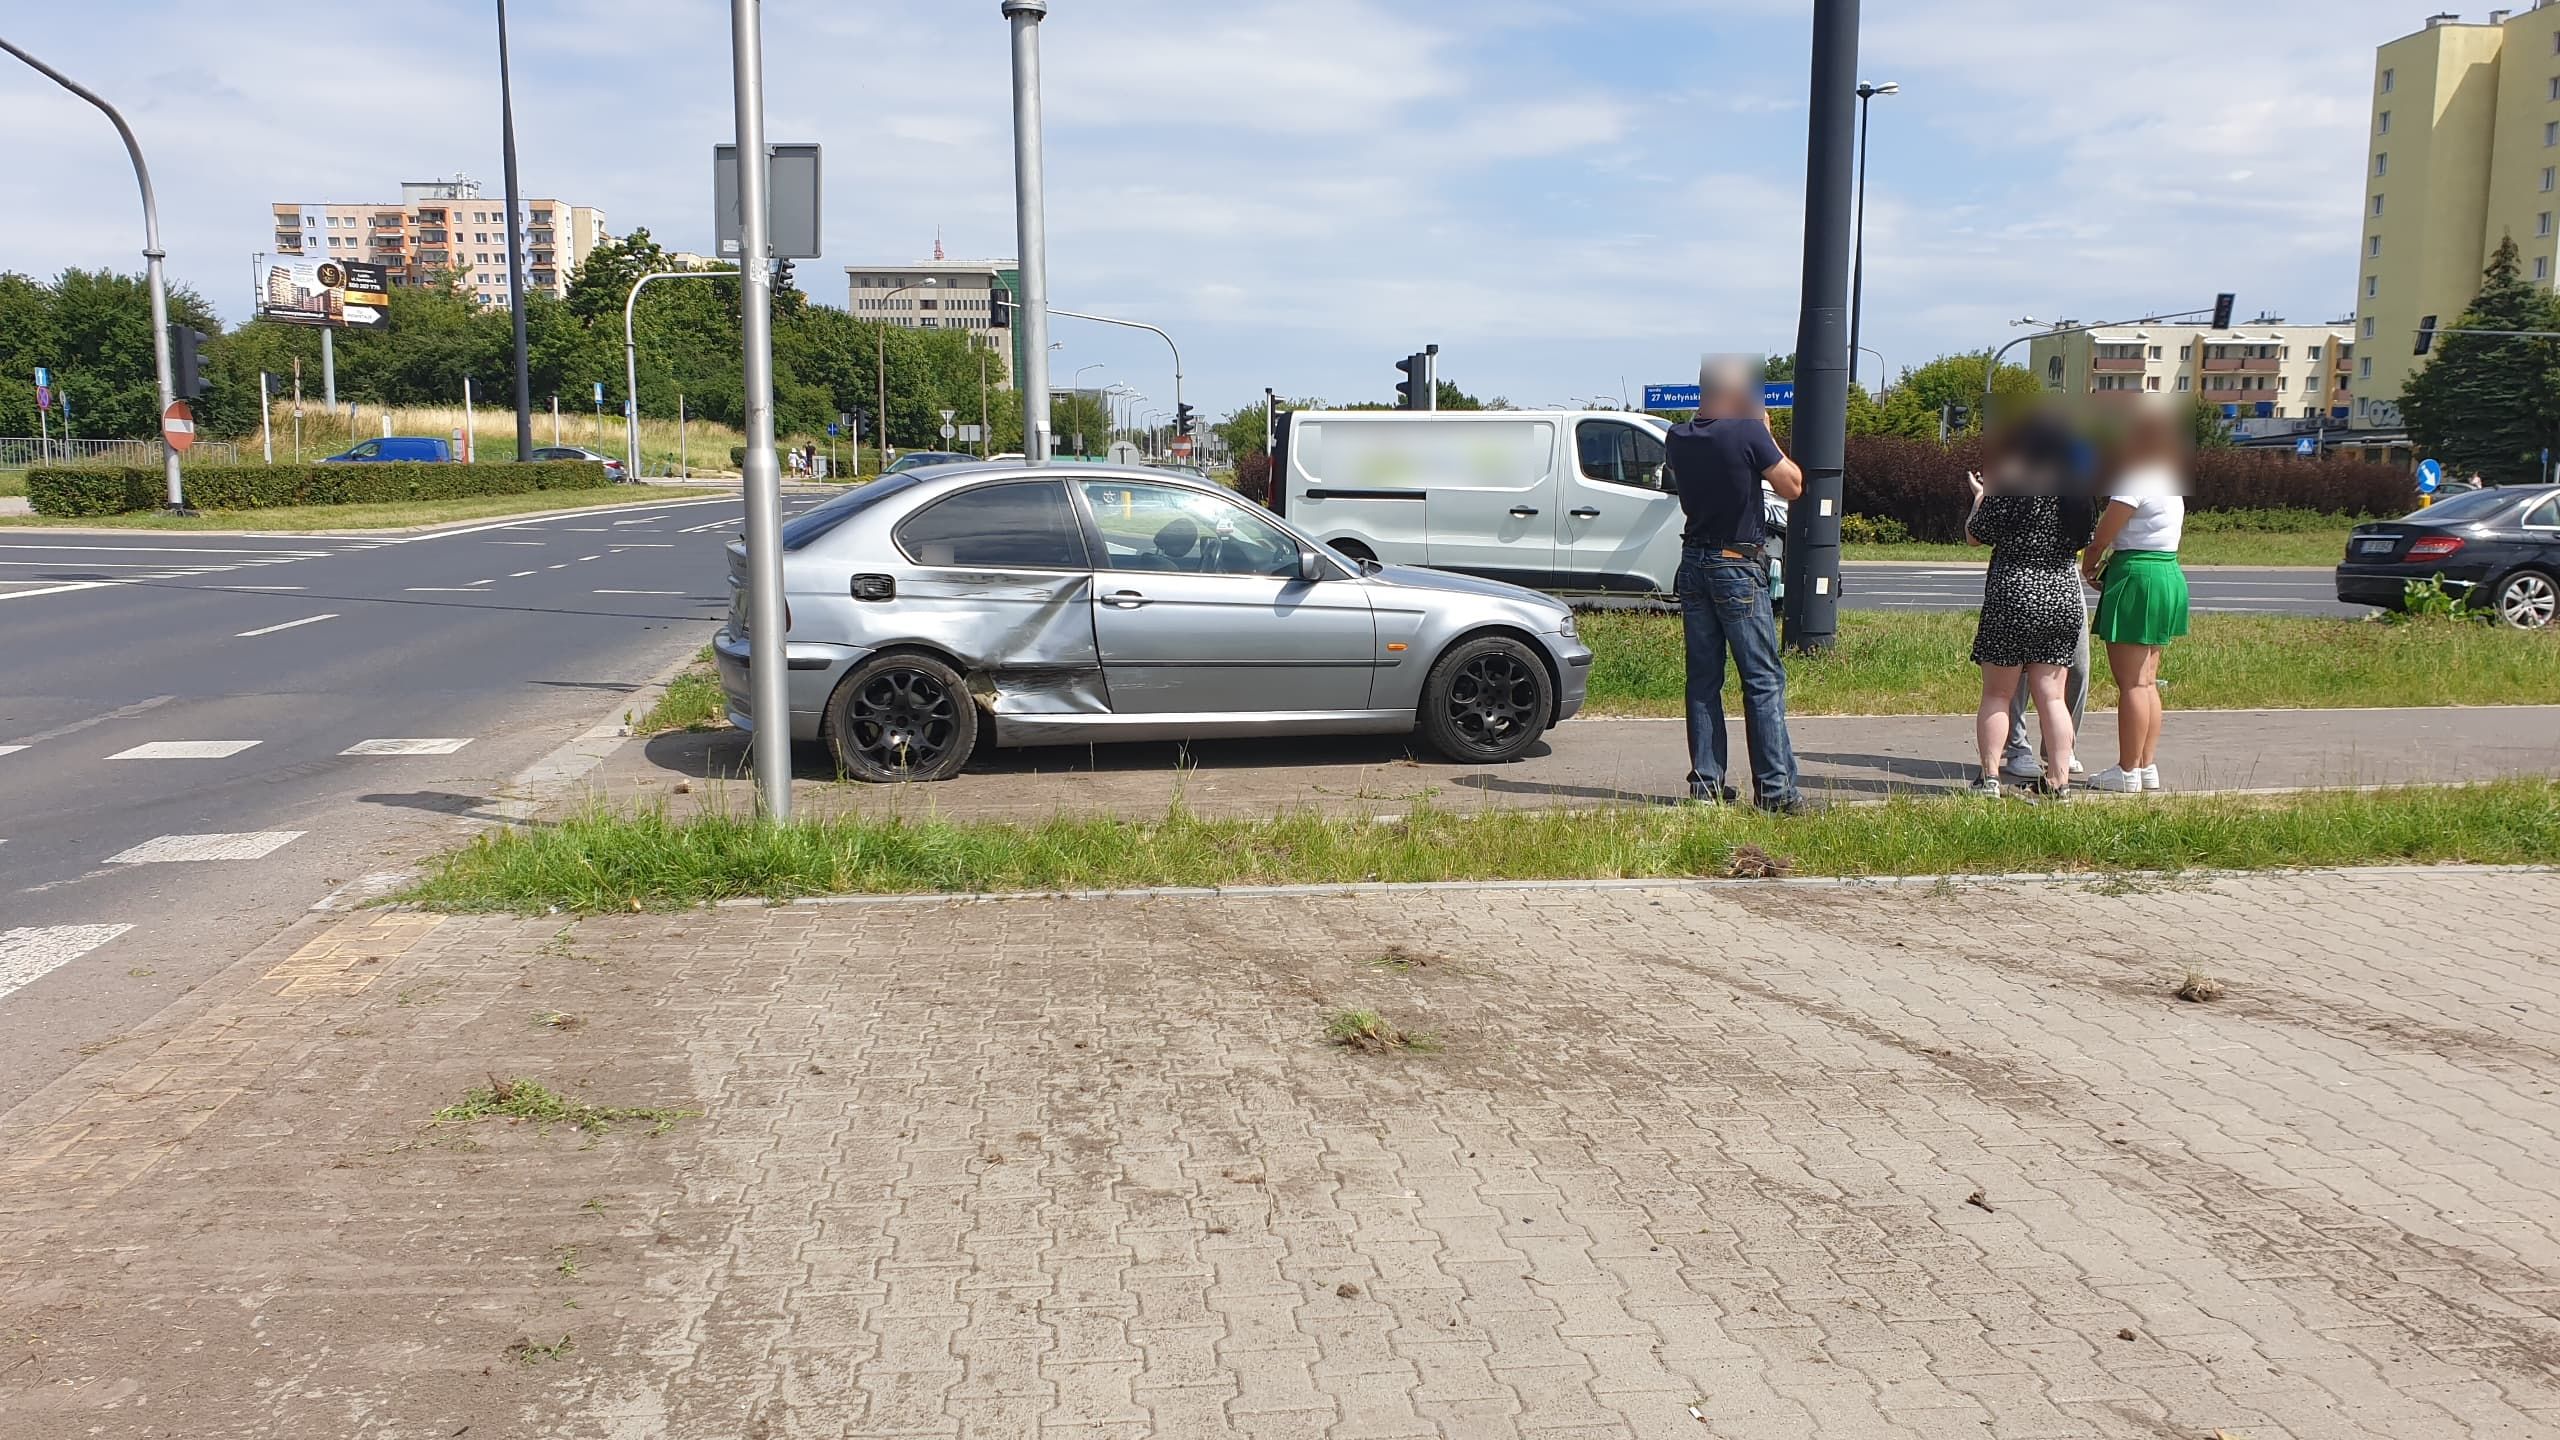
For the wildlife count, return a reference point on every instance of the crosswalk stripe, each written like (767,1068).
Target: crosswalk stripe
(247,845)
(31,952)
(404,747)
(184,750)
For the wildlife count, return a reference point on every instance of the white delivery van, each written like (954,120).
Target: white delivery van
(1562,500)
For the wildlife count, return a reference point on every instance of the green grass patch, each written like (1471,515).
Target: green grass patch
(398,515)
(13,482)
(2213,537)
(599,862)
(694,700)
(522,1099)
(1372,1033)
(1916,663)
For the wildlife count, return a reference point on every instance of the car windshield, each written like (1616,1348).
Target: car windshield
(804,528)
(2469,507)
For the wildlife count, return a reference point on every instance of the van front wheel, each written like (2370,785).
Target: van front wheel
(1487,701)
(1354,550)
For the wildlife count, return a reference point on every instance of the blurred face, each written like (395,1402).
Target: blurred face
(1728,388)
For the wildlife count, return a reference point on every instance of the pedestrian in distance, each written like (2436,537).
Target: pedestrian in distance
(1718,462)
(2142,594)
(2029,508)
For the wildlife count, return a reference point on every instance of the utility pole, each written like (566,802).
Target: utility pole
(1030,227)
(515,249)
(152,255)
(762,475)
(1812,567)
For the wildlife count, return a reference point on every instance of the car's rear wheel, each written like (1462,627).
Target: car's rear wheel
(902,717)
(1487,701)
(2527,600)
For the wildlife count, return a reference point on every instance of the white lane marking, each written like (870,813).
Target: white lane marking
(171,849)
(639,592)
(523,524)
(56,589)
(563,565)
(583,559)
(714,525)
(122,712)
(11,749)
(588,529)
(113,565)
(404,747)
(536,544)
(646,545)
(288,625)
(180,550)
(520,574)
(183,750)
(31,952)
(644,521)
(260,587)
(477,583)
(439,590)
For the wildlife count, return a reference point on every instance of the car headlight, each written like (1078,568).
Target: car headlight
(1567,629)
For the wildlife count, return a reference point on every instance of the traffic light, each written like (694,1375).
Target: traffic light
(2426,334)
(782,273)
(1000,309)
(186,362)
(1184,422)
(2222,310)
(1413,387)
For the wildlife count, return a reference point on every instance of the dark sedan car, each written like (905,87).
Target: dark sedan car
(2498,548)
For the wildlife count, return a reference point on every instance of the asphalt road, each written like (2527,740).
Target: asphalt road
(203,735)
(1950,586)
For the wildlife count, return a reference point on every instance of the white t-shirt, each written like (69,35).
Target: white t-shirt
(2159,511)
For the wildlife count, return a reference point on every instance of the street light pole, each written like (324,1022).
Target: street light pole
(880,366)
(1822,353)
(1150,329)
(767,644)
(1075,390)
(1031,311)
(152,255)
(631,368)
(1858,265)
(515,249)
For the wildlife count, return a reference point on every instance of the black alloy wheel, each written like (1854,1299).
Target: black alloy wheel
(903,717)
(1486,701)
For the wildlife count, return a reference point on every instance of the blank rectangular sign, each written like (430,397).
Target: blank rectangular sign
(791,200)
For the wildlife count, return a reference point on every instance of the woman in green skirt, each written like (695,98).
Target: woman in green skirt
(2142,594)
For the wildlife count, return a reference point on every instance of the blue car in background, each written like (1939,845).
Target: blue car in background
(396,447)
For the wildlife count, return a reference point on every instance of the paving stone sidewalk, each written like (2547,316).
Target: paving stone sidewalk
(1738,1161)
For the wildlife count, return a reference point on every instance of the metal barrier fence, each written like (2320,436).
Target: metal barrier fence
(21,452)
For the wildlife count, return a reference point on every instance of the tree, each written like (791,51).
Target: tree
(2490,404)
(1449,397)
(1779,367)
(1912,410)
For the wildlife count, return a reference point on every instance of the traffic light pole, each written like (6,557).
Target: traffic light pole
(767,644)
(1812,560)
(152,255)
(1030,219)
(1150,329)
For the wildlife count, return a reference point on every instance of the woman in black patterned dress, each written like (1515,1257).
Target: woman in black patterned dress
(2036,521)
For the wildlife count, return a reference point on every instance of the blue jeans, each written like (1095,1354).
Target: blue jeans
(1724,605)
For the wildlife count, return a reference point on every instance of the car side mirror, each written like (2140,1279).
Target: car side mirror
(1310,564)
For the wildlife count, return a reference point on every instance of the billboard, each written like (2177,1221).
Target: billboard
(334,293)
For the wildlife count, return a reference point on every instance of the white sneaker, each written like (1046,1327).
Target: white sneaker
(2116,780)
(1988,788)
(2150,775)
(2077,768)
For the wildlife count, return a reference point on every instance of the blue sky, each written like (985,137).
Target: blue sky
(1566,197)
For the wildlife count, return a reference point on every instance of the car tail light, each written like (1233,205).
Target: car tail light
(2433,547)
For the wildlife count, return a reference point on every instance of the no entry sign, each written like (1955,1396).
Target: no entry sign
(178,426)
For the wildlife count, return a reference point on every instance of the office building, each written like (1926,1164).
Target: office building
(446,226)
(2262,371)
(2463,151)
(960,297)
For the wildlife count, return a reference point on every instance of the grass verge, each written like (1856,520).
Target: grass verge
(693,700)
(601,862)
(2213,537)
(13,482)
(303,518)
(1915,663)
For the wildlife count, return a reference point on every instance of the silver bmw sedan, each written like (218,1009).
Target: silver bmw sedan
(936,611)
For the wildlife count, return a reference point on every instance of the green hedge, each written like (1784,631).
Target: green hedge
(116,489)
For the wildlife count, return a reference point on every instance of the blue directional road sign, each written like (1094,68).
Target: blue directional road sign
(1774,394)
(2430,475)
(831,428)
(2306,446)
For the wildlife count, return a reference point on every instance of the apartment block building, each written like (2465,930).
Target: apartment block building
(2263,370)
(2463,152)
(940,295)
(446,226)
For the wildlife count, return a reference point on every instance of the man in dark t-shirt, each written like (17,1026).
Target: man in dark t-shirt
(1718,461)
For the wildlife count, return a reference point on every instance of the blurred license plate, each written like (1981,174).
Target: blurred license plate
(2375,547)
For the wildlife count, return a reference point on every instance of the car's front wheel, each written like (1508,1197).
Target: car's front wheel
(1487,701)
(902,717)
(2527,600)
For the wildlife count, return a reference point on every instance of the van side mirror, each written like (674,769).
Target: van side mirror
(1310,564)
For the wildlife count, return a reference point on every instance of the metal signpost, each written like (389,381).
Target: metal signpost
(1030,227)
(515,246)
(762,478)
(44,415)
(152,255)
